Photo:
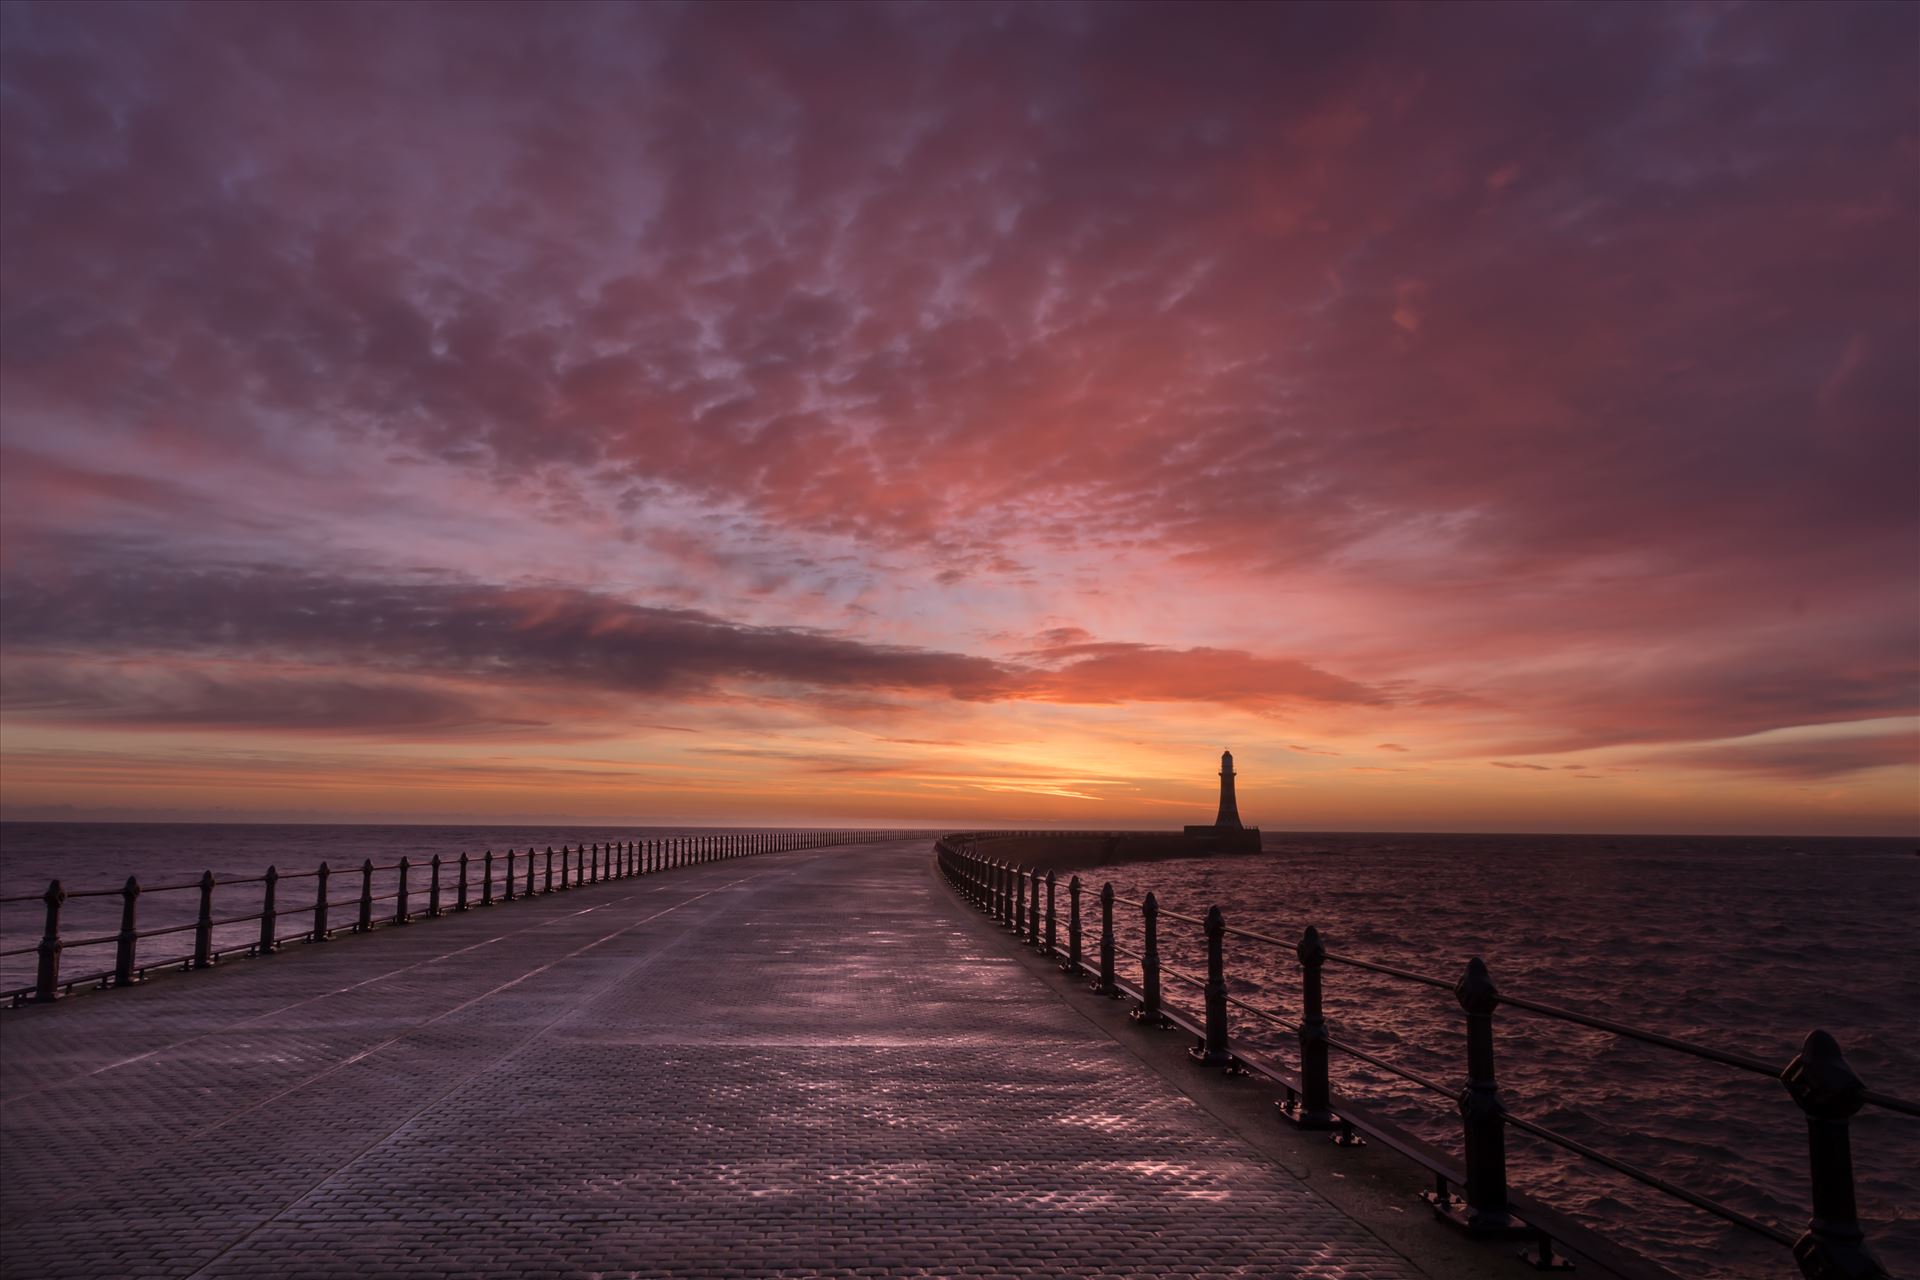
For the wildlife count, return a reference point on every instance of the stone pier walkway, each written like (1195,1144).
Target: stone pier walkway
(798,1064)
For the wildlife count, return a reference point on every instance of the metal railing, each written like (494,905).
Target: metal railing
(468,882)
(1819,1079)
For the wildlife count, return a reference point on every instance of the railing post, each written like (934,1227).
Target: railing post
(203,926)
(580,864)
(1481,1112)
(1105,986)
(1315,1110)
(529,892)
(1829,1093)
(1073,964)
(506,881)
(566,867)
(549,880)
(123,952)
(1052,946)
(486,879)
(366,897)
(46,985)
(595,878)
(1149,1010)
(320,931)
(269,901)
(433,890)
(1212,1050)
(460,896)
(400,913)
(1033,907)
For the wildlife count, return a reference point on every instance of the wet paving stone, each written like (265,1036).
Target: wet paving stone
(793,1065)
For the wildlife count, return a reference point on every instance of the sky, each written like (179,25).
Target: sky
(1477,418)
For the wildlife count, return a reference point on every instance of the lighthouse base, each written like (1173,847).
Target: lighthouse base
(1224,839)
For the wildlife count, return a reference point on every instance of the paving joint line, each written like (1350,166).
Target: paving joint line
(505,1055)
(335,1068)
(325,995)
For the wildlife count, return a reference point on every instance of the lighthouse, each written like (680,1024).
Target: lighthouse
(1229,819)
(1227,834)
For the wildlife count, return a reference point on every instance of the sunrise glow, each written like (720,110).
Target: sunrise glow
(969,415)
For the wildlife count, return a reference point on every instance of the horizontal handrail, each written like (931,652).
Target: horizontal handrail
(1425,1082)
(440,884)
(1820,1081)
(1653,1180)
(1392,971)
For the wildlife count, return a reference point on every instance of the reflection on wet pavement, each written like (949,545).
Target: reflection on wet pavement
(792,1066)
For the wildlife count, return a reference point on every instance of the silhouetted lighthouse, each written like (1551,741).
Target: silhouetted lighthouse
(1229,819)
(1226,835)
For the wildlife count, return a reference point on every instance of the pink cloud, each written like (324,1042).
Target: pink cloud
(1379,362)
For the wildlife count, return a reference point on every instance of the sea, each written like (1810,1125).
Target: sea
(1742,944)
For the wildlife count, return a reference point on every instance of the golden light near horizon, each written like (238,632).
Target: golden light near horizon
(873,455)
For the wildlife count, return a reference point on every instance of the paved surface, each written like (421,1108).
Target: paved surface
(796,1064)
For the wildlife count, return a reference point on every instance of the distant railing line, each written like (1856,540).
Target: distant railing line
(590,862)
(1819,1079)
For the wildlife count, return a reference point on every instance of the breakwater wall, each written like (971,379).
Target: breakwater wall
(1079,850)
(1079,923)
(213,919)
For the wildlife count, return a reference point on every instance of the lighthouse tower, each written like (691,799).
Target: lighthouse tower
(1227,834)
(1229,819)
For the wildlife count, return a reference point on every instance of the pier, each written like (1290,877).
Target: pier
(810,1062)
